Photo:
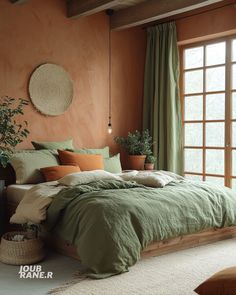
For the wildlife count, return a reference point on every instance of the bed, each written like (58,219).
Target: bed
(222,228)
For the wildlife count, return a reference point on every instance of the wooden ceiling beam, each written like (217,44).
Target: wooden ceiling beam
(77,8)
(18,1)
(153,10)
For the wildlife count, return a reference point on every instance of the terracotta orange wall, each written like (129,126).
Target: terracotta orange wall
(207,25)
(39,32)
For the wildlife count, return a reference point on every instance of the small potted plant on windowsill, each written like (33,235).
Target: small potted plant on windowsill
(150,162)
(138,145)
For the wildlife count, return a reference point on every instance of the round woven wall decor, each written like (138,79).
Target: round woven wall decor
(51,89)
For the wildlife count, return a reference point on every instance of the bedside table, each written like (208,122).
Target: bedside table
(2,207)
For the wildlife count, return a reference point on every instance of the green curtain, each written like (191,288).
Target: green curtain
(161,103)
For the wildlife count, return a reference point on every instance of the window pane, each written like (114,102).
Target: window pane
(193,134)
(234,105)
(193,108)
(193,160)
(216,180)
(234,50)
(193,58)
(234,77)
(234,184)
(193,177)
(234,134)
(215,54)
(215,107)
(215,79)
(194,82)
(234,163)
(215,161)
(215,134)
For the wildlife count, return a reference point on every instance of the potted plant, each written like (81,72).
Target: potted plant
(149,162)
(11,131)
(31,229)
(138,145)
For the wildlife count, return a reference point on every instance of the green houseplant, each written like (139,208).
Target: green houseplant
(149,162)
(12,132)
(138,145)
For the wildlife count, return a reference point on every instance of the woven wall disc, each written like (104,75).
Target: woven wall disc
(51,89)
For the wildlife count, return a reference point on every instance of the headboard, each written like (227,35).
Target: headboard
(8,174)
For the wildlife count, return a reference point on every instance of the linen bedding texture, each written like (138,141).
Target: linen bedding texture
(32,208)
(111,220)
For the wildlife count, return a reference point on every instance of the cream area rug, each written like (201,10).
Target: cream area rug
(177,273)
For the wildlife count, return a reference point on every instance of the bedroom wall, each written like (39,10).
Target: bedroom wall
(39,32)
(208,25)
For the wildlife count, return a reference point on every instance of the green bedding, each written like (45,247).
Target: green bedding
(112,222)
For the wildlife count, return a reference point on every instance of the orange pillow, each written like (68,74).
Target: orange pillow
(56,172)
(86,162)
(221,283)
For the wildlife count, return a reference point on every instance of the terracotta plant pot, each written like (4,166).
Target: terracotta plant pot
(149,166)
(136,162)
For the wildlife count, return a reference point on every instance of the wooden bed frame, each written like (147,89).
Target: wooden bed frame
(155,249)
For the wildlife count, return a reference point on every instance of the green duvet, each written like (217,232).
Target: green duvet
(111,222)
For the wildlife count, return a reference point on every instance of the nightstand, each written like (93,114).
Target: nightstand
(2,207)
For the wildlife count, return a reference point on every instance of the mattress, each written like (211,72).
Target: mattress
(16,192)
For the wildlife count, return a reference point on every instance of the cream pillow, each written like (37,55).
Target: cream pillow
(128,175)
(152,178)
(86,177)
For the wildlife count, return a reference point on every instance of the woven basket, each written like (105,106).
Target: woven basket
(28,251)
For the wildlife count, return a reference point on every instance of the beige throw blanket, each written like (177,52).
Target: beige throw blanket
(33,206)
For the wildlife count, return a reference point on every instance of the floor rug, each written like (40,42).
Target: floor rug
(176,273)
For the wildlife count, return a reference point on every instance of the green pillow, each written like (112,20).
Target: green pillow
(104,151)
(53,145)
(113,164)
(27,163)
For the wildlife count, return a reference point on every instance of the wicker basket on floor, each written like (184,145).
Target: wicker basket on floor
(28,251)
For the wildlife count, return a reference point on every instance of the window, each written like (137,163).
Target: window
(209,111)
